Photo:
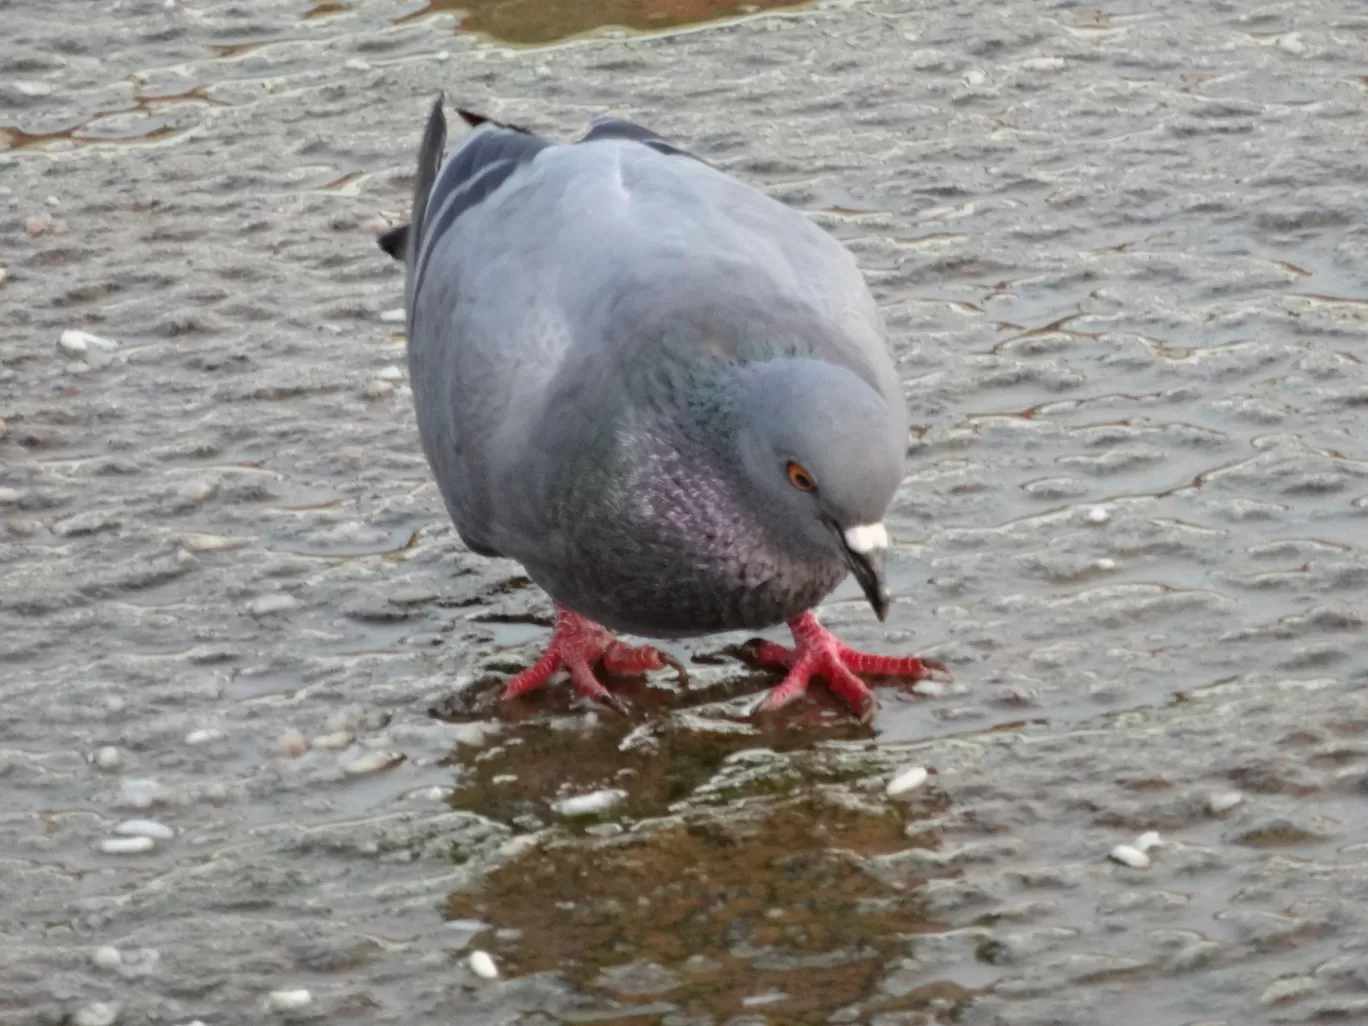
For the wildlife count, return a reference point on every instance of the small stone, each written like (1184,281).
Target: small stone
(291,744)
(482,965)
(4,275)
(376,226)
(106,957)
(929,688)
(435,793)
(265,605)
(127,845)
(53,201)
(1129,856)
(1149,839)
(205,735)
(1292,43)
(1106,564)
(395,316)
(91,349)
(145,828)
(906,781)
(379,390)
(589,804)
(372,762)
(1223,801)
(197,491)
(390,373)
(33,90)
(38,224)
(140,793)
(209,542)
(1043,63)
(99,1013)
(356,64)
(1098,515)
(289,1000)
(975,77)
(336,740)
(108,758)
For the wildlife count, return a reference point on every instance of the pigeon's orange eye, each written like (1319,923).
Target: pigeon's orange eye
(800,478)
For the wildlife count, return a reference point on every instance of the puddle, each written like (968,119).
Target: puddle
(537,22)
(774,908)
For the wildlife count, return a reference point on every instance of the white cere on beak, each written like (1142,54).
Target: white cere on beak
(867,538)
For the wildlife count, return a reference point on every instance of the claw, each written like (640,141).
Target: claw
(817,652)
(577,645)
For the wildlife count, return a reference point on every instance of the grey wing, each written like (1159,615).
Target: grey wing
(459,388)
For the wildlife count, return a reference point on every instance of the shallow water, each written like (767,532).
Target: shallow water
(1120,255)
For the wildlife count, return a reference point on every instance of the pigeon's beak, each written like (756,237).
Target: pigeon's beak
(865,546)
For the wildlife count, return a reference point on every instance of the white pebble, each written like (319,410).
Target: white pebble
(372,762)
(975,77)
(265,605)
(140,793)
(53,201)
(435,793)
(390,373)
(291,744)
(356,64)
(32,89)
(127,845)
(1292,43)
(1106,564)
(203,736)
(590,804)
(290,1000)
(107,957)
(482,965)
(379,389)
(339,739)
(395,316)
(1098,515)
(145,828)
(1128,856)
(109,758)
(100,1013)
(1043,63)
(92,349)
(1149,839)
(929,688)
(906,781)
(1224,801)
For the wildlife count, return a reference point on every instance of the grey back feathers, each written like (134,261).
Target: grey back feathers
(579,315)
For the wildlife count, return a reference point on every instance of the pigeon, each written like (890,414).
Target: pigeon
(667,395)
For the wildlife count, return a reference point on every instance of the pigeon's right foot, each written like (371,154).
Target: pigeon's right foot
(577,645)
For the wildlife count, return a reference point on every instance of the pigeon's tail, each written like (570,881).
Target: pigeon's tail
(397,241)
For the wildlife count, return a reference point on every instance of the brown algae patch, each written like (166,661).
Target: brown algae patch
(768,911)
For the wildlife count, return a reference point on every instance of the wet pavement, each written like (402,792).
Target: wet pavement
(1121,253)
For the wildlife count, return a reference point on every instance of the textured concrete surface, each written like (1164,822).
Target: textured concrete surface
(1121,252)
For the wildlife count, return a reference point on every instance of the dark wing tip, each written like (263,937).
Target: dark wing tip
(395,241)
(476,120)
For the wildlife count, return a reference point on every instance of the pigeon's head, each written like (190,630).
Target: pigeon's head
(822,454)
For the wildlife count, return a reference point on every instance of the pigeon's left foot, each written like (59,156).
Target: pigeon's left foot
(817,652)
(577,645)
